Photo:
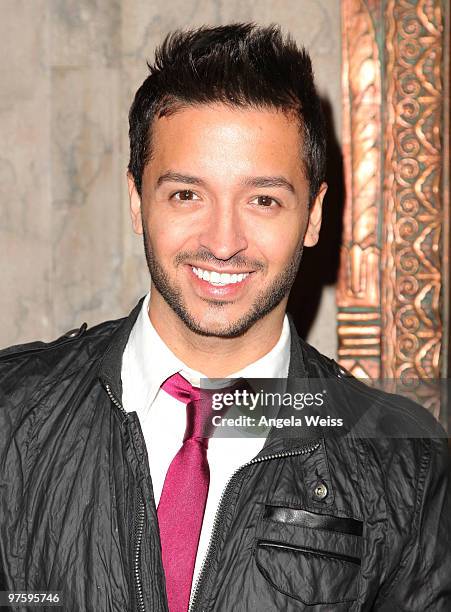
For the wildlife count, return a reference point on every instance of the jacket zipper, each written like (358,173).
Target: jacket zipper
(139,522)
(218,522)
(308,448)
(136,568)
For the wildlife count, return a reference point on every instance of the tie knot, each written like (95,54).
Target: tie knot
(199,415)
(199,402)
(180,388)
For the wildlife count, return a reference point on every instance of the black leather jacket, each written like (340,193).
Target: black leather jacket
(315,524)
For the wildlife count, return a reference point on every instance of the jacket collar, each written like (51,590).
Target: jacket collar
(298,357)
(111,362)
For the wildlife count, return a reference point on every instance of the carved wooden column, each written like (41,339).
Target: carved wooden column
(393,292)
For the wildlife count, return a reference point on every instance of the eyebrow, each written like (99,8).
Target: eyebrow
(269,181)
(176,177)
(251,181)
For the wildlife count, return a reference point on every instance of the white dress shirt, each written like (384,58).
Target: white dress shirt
(147,362)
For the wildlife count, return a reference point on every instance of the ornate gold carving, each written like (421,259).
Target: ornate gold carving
(391,278)
(411,261)
(358,285)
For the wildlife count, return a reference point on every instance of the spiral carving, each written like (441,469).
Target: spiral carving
(391,280)
(413,207)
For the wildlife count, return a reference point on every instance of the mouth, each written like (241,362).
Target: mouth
(220,279)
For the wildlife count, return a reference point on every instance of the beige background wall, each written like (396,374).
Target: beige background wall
(68,73)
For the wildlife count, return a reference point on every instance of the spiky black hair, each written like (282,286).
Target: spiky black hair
(237,64)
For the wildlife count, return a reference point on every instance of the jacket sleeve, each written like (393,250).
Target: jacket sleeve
(422,579)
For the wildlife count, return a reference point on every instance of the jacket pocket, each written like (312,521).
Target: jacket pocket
(311,557)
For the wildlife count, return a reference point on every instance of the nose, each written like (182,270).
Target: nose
(223,232)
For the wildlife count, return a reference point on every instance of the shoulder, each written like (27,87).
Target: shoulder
(392,441)
(25,367)
(373,409)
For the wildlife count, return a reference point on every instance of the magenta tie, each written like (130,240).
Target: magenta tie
(184,495)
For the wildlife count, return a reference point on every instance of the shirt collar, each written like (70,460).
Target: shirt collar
(148,361)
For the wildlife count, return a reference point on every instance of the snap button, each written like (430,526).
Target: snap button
(73,333)
(320,491)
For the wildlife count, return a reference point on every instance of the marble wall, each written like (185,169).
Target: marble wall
(69,72)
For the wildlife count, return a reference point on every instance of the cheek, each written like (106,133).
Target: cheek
(279,244)
(169,236)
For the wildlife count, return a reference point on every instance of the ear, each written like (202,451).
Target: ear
(135,205)
(315,217)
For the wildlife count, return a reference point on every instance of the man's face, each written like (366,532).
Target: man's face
(224,213)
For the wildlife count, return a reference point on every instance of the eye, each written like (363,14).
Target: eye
(265,201)
(185,195)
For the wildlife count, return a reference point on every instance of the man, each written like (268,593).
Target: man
(105,497)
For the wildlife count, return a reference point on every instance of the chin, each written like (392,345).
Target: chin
(220,327)
(217,322)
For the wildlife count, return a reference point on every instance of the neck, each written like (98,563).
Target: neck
(213,356)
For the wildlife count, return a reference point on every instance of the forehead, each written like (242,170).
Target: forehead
(227,140)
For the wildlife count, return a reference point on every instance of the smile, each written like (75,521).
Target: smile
(219,279)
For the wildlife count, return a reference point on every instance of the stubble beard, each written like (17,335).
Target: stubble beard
(263,304)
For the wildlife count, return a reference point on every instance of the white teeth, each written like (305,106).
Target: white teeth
(217,279)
